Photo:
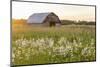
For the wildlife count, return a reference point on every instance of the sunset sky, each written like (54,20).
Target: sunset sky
(22,10)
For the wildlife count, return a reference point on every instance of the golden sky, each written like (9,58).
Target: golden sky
(67,12)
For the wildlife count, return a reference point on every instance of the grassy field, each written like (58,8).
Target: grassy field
(40,45)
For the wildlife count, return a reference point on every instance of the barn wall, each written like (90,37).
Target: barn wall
(46,23)
(54,18)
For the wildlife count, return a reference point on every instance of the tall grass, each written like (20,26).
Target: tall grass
(40,45)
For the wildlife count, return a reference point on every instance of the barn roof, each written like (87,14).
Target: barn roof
(38,17)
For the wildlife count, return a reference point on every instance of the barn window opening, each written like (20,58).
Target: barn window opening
(52,23)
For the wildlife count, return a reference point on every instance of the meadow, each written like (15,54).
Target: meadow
(43,45)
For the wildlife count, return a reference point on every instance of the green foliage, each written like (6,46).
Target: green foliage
(70,22)
(53,45)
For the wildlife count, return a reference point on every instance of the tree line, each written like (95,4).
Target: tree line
(69,22)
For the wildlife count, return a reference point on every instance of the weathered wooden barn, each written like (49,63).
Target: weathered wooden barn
(44,19)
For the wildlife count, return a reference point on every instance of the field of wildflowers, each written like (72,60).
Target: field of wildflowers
(53,45)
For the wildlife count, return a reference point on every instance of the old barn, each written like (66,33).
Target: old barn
(44,19)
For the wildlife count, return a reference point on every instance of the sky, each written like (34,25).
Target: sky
(22,10)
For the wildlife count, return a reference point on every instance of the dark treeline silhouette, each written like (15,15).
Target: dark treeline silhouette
(69,22)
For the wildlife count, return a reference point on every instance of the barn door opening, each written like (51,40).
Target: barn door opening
(52,24)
